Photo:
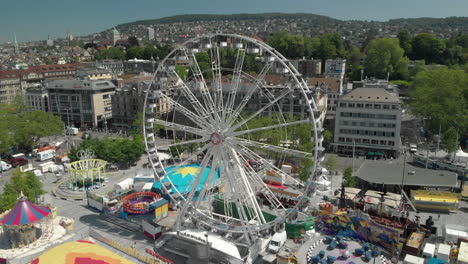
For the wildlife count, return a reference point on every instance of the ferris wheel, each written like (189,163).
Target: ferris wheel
(229,115)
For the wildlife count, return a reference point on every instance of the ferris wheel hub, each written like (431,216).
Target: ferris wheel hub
(216,138)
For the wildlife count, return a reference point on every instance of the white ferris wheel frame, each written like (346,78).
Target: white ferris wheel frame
(205,110)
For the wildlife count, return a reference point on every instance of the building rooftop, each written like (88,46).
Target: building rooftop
(391,171)
(80,84)
(370,95)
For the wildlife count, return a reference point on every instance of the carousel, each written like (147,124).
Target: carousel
(19,224)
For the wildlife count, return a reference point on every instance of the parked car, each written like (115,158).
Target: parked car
(4,166)
(413,148)
(15,162)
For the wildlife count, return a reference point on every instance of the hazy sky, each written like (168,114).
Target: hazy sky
(35,19)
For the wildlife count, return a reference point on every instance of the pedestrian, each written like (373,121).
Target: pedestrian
(134,245)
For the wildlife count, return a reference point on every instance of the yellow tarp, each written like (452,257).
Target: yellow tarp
(80,251)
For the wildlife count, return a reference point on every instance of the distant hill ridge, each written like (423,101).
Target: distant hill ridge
(423,21)
(242,16)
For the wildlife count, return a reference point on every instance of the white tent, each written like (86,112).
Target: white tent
(163,156)
(461,156)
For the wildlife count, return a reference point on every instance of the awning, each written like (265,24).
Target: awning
(370,153)
(379,153)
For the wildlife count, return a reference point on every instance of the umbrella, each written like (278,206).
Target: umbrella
(370,153)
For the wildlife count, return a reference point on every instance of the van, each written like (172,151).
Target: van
(277,241)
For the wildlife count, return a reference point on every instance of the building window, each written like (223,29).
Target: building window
(395,107)
(368,106)
(360,105)
(343,105)
(386,106)
(351,105)
(374,142)
(377,106)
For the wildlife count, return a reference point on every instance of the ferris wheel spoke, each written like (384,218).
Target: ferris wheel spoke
(188,200)
(257,84)
(201,83)
(265,163)
(264,189)
(200,140)
(195,154)
(217,82)
(207,184)
(197,119)
(236,77)
(270,104)
(250,196)
(199,108)
(243,132)
(278,149)
(180,127)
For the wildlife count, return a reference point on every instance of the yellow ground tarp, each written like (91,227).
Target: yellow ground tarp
(80,251)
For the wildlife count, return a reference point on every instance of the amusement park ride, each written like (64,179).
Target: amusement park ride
(212,107)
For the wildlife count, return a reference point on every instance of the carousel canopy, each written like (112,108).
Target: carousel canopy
(24,213)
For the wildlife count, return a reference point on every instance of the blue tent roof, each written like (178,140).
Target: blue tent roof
(183,177)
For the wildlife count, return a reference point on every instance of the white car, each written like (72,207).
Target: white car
(5,166)
(413,148)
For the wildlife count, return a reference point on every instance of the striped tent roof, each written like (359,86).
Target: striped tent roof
(24,213)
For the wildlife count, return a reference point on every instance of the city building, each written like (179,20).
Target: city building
(335,69)
(128,102)
(150,33)
(37,98)
(116,67)
(308,68)
(115,36)
(135,66)
(368,120)
(40,73)
(10,85)
(94,74)
(82,103)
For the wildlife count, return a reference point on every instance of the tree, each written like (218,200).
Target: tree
(20,182)
(405,38)
(427,47)
(181,71)
(304,171)
(384,56)
(330,163)
(22,128)
(348,178)
(110,53)
(450,139)
(353,61)
(441,95)
(134,52)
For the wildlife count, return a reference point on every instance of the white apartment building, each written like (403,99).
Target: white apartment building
(368,120)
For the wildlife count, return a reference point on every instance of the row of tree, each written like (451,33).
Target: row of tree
(441,96)
(146,53)
(122,151)
(21,127)
(380,56)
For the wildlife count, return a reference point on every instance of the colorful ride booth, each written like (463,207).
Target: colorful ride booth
(20,223)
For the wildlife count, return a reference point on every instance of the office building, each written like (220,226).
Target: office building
(37,98)
(368,120)
(82,103)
